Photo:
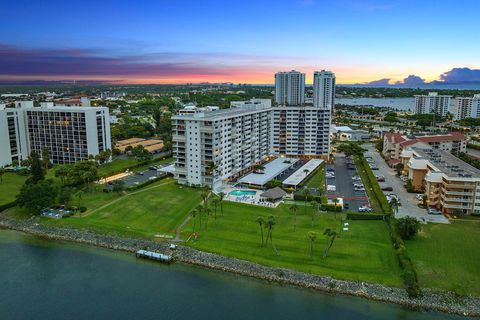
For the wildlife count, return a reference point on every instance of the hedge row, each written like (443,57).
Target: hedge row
(473,146)
(365,216)
(301,197)
(373,183)
(408,273)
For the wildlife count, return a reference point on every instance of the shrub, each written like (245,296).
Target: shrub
(365,216)
(408,227)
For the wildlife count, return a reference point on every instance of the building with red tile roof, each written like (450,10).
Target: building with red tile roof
(394,143)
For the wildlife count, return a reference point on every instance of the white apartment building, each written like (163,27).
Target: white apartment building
(466,107)
(69,134)
(210,146)
(305,129)
(301,130)
(323,89)
(432,103)
(290,88)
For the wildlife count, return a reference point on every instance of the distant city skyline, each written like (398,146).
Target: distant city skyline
(409,43)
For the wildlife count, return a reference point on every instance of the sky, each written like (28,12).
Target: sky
(173,41)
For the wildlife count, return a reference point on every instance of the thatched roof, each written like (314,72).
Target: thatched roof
(275,193)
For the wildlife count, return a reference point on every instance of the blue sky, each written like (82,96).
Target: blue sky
(241,41)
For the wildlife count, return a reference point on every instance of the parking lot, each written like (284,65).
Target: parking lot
(344,185)
(408,202)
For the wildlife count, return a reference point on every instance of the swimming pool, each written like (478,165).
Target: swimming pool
(243,193)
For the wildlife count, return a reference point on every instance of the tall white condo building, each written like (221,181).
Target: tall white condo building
(466,107)
(290,88)
(432,103)
(211,145)
(69,134)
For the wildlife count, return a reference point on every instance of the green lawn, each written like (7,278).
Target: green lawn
(10,187)
(447,257)
(318,179)
(364,253)
(156,209)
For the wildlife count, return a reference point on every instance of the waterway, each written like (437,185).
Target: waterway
(403,104)
(42,279)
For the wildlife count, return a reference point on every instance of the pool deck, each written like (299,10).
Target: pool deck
(248,199)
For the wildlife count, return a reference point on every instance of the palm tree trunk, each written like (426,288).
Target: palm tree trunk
(261,231)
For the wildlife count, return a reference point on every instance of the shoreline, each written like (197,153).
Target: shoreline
(446,302)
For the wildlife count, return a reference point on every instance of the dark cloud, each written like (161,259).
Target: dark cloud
(461,75)
(380,82)
(411,80)
(60,62)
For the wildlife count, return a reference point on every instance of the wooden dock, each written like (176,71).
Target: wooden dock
(153,256)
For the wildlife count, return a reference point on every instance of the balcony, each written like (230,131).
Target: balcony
(179,137)
(458,193)
(459,185)
(456,206)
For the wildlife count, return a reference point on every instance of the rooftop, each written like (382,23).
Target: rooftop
(298,176)
(272,170)
(222,113)
(447,163)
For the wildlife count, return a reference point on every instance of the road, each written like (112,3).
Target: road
(344,184)
(408,201)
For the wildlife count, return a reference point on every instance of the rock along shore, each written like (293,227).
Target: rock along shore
(431,300)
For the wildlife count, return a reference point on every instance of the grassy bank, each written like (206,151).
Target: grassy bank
(154,210)
(446,256)
(10,187)
(363,253)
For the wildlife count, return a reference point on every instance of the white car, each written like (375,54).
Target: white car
(419,196)
(331,188)
(364,209)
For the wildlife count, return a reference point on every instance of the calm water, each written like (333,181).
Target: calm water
(49,280)
(404,104)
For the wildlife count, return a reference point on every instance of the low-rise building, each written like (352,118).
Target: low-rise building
(451,185)
(394,143)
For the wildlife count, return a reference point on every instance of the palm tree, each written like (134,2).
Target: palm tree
(306,171)
(335,201)
(215,202)
(306,193)
(221,196)
(2,172)
(207,212)
(294,208)
(269,225)
(312,235)
(261,222)
(200,209)
(194,217)
(331,235)
(394,205)
(204,196)
(314,207)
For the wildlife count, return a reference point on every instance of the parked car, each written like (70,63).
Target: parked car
(434,211)
(387,188)
(380,178)
(374,167)
(346,205)
(419,197)
(330,169)
(364,209)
